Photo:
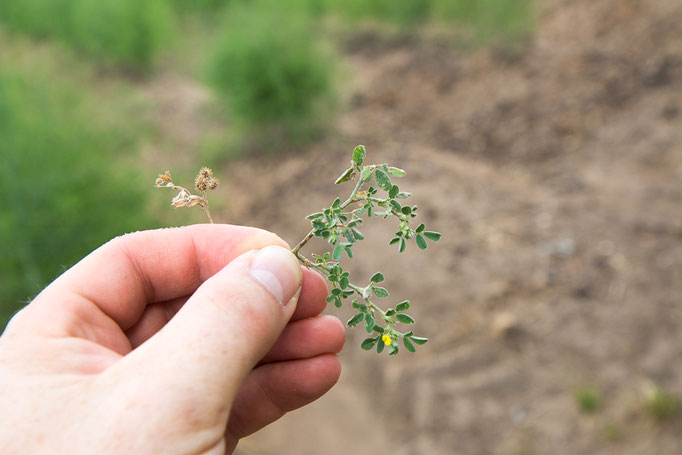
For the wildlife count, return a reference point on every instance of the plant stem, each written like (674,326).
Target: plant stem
(352,198)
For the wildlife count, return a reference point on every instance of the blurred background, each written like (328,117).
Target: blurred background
(542,138)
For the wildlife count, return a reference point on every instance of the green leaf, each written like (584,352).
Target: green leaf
(314,215)
(406,210)
(420,228)
(359,154)
(408,344)
(378,329)
(382,180)
(393,192)
(359,306)
(347,174)
(377,278)
(380,348)
(348,251)
(396,172)
(358,235)
(369,323)
(390,312)
(404,318)
(336,204)
(433,236)
(421,242)
(337,302)
(395,205)
(393,350)
(403,306)
(338,251)
(380,292)
(402,245)
(344,282)
(368,343)
(355,320)
(366,173)
(394,240)
(419,340)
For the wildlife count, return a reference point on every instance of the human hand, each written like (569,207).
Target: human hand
(95,364)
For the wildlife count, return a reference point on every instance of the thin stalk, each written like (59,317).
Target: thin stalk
(352,198)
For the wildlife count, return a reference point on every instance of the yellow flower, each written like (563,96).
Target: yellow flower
(387,340)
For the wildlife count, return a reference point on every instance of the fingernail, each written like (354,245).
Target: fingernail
(278,271)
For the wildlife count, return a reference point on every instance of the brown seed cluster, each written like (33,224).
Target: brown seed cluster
(205,180)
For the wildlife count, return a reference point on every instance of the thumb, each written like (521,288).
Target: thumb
(204,353)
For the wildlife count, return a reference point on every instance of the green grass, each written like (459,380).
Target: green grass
(662,405)
(130,33)
(67,179)
(588,399)
(268,67)
(501,22)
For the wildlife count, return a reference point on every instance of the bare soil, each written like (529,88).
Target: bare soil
(555,176)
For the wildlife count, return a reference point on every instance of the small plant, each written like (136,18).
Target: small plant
(274,78)
(339,225)
(660,404)
(588,399)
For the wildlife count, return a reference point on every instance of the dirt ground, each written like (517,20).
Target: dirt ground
(556,178)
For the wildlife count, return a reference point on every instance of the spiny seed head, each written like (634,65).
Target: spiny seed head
(200,183)
(164,179)
(205,180)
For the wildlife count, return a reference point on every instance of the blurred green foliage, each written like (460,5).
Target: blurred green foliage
(64,185)
(504,22)
(269,68)
(131,33)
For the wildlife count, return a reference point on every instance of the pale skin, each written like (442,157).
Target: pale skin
(176,341)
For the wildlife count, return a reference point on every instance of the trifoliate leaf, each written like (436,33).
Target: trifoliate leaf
(433,236)
(408,344)
(355,320)
(404,318)
(380,292)
(369,323)
(368,343)
(402,306)
(419,340)
(380,348)
(359,306)
(346,176)
(366,173)
(396,172)
(377,278)
(359,155)
(421,241)
(382,180)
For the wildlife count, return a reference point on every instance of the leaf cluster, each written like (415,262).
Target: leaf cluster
(374,195)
